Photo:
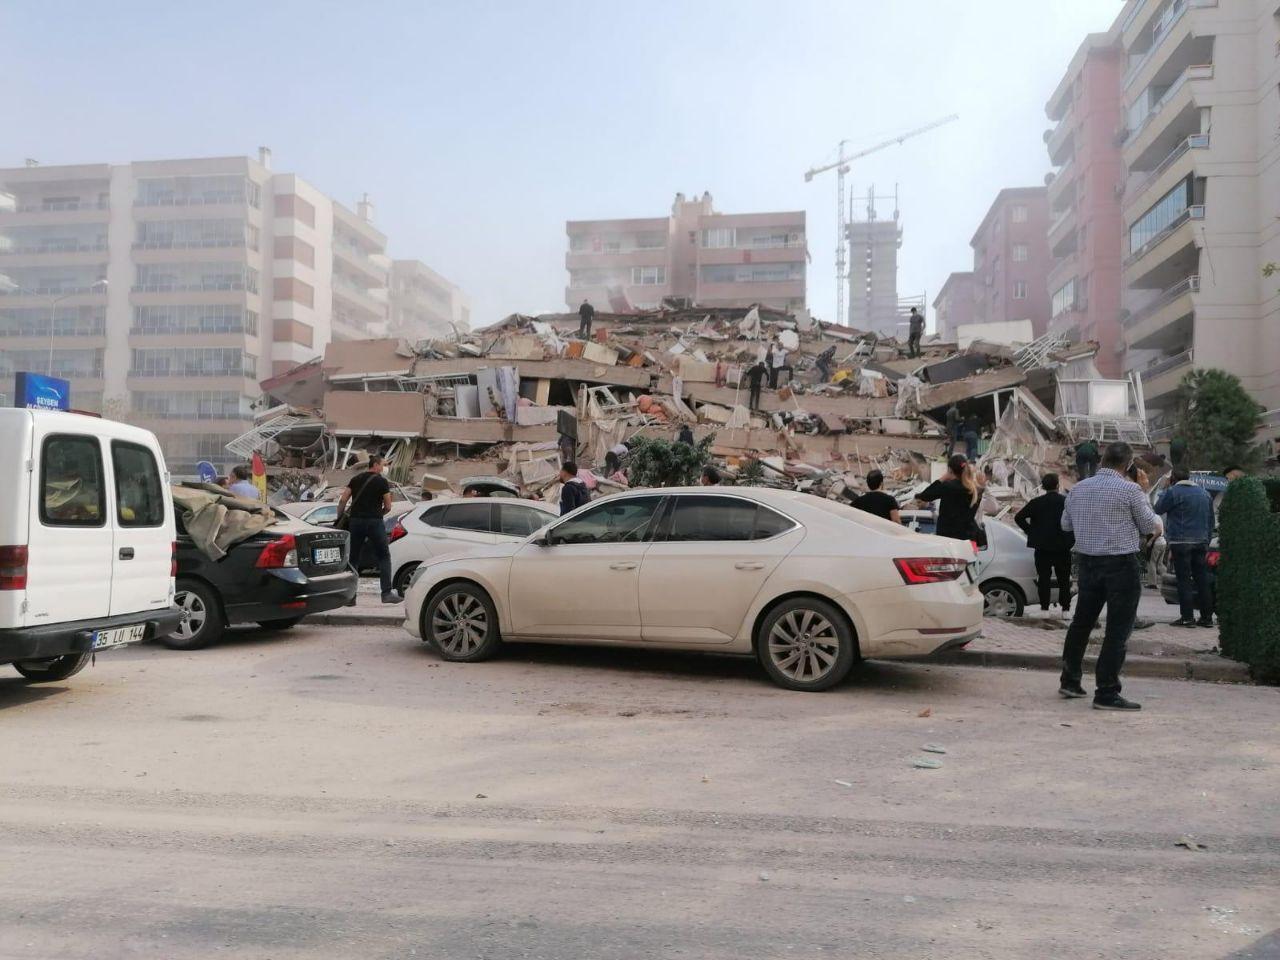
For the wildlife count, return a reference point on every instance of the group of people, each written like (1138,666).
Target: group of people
(770,364)
(962,428)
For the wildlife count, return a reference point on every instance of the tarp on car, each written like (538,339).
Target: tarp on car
(215,520)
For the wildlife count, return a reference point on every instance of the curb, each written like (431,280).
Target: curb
(1171,668)
(356,619)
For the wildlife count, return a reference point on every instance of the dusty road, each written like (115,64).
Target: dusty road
(341,793)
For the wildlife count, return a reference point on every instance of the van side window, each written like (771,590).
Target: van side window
(139,497)
(72,493)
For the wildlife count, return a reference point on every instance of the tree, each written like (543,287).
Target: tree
(664,463)
(1248,584)
(1218,420)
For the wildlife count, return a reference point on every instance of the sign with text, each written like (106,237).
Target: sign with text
(35,391)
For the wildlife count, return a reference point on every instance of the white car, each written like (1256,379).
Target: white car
(806,585)
(442,528)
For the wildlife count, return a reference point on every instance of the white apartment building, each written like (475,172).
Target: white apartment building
(1201,200)
(218,273)
(424,304)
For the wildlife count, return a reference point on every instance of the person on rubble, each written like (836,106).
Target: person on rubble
(959,496)
(777,365)
(1041,521)
(586,315)
(710,476)
(970,433)
(877,501)
(755,379)
(823,363)
(685,435)
(1087,458)
(573,491)
(364,502)
(914,332)
(953,428)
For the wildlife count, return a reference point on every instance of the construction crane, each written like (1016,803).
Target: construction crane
(841,166)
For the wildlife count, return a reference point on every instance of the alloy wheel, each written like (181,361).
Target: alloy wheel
(804,645)
(194,615)
(999,602)
(459,623)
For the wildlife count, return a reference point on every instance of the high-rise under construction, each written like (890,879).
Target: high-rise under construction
(873,272)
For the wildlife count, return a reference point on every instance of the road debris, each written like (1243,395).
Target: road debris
(926,763)
(933,748)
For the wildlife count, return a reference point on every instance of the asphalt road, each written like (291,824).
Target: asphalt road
(341,793)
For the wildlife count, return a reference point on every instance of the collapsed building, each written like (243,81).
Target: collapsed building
(516,398)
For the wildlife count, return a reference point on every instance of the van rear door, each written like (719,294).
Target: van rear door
(69,560)
(16,465)
(142,519)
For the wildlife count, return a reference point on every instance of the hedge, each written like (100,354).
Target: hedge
(1249,578)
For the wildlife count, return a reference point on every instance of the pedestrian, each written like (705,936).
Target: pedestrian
(877,501)
(1178,452)
(953,428)
(710,476)
(915,331)
(586,316)
(242,484)
(573,492)
(1109,515)
(755,379)
(959,496)
(779,364)
(970,431)
(1041,521)
(1188,512)
(823,363)
(1087,458)
(364,502)
(685,435)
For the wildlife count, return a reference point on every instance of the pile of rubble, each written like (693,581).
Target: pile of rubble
(517,397)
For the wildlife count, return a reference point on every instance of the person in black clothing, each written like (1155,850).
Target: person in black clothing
(573,492)
(823,363)
(959,496)
(970,433)
(876,500)
(685,435)
(1041,520)
(364,503)
(586,314)
(914,332)
(755,380)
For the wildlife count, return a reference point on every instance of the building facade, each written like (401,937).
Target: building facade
(1084,201)
(711,258)
(873,274)
(1201,150)
(1011,259)
(173,287)
(955,304)
(424,304)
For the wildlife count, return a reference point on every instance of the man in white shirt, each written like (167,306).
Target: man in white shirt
(241,485)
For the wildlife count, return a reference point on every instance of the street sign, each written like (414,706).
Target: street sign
(35,391)
(207,472)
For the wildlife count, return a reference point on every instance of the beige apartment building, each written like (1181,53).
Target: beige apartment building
(711,258)
(424,304)
(175,286)
(1201,199)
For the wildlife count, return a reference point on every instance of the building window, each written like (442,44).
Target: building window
(1064,299)
(651,241)
(719,238)
(1166,211)
(193,362)
(577,243)
(648,276)
(752,273)
(1018,214)
(192,405)
(1021,252)
(194,318)
(1019,289)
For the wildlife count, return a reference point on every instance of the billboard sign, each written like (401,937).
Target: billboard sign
(35,391)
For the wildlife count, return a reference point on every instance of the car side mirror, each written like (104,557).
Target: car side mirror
(541,541)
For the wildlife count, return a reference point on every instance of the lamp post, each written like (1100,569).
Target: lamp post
(9,286)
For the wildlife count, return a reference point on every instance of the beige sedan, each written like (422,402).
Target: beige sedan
(808,586)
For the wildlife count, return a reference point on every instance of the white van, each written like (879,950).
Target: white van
(86,540)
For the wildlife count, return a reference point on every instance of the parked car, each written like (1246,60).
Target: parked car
(274,579)
(325,514)
(444,527)
(806,585)
(86,540)
(488,487)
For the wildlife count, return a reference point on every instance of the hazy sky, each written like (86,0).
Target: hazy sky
(478,128)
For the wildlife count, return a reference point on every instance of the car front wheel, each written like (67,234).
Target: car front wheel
(461,623)
(806,644)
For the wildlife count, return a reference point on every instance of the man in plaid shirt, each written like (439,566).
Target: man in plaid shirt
(1109,515)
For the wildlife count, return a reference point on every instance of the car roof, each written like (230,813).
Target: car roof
(449,501)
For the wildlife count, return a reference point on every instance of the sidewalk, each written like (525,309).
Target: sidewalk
(1033,641)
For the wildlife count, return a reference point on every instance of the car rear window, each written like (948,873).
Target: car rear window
(702,519)
(72,491)
(139,494)
(463,516)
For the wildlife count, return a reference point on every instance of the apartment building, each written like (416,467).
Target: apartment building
(424,304)
(1201,147)
(174,286)
(956,304)
(712,258)
(1011,259)
(1084,200)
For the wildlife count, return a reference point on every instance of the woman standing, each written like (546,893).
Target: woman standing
(959,493)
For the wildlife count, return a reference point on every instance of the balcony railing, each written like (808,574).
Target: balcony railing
(91,330)
(1062,218)
(1169,363)
(191,287)
(57,206)
(208,200)
(1167,23)
(202,243)
(1133,15)
(1197,71)
(54,248)
(60,291)
(193,372)
(1191,213)
(1198,141)
(1189,285)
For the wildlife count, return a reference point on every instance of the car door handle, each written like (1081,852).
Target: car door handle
(626,565)
(126,553)
(748,565)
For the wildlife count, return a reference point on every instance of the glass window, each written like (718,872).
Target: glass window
(325,514)
(618,521)
(518,521)
(770,524)
(700,519)
(464,516)
(1166,211)
(648,276)
(72,493)
(1021,252)
(719,238)
(1019,289)
(139,496)
(1018,214)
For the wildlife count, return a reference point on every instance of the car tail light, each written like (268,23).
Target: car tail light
(13,568)
(173,559)
(279,553)
(929,569)
(1212,558)
(397,532)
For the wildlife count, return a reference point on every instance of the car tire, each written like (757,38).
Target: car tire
(460,622)
(401,583)
(806,644)
(1002,598)
(50,671)
(202,622)
(284,624)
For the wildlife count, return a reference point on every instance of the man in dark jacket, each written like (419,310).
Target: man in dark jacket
(755,380)
(823,363)
(586,314)
(1041,521)
(1087,459)
(1188,510)
(915,331)
(573,492)
(877,501)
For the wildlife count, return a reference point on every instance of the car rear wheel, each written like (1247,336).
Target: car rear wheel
(49,671)
(202,621)
(461,623)
(805,644)
(403,576)
(1002,599)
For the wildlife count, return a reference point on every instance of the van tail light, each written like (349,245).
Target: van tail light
(173,559)
(1212,558)
(279,553)
(13,568)
(397,532)
(929,569)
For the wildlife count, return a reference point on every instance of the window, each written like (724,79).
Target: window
(619,521)
(194,318)
(193,362)
(326,514)
(1019,289)
(651,241)
(719,238)
(1167,210)
(648,276)
(518,521)
(72,493)
(139,496)
(1021,252)
(463,516)
(577,243)
(1018,214)
(1064,299)
(701,519)
(770,524)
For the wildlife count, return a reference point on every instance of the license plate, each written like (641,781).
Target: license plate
(118,637)
(327,555)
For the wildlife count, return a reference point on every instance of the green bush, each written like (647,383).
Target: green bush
(655,462)
(1249,579)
